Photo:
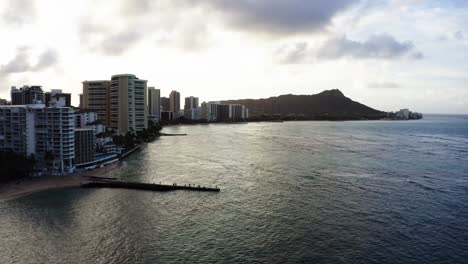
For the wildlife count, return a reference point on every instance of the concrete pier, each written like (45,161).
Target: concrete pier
(94,183)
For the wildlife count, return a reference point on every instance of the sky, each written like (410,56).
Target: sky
(387,54)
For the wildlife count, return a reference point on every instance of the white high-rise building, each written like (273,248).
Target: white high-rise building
(47,133)
(154,103)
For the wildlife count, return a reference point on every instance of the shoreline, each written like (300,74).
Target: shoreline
(25,187)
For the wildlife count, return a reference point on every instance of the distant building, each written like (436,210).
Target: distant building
(191,103)
(81,101)
(3,102)
(83,117)
(215,111)
(128,104)
(209,111)
(27,95)
(84,146)
(235,112)
(167,115)
(245,112)
(223,114)
(404,114)
(47,133)
(165,104)
(192,114)
(154,103)
(89,120)
(96,98)
(174,102)
(57,98)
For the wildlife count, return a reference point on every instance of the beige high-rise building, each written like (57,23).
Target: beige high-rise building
(96,98)
(128,104)
(174,101)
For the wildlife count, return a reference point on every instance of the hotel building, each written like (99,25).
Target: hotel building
(47,133)
(27,95)
(128,104)
(154,103)
(96,98)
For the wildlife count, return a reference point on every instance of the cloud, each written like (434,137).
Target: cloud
(279,16)
(376,47)
(417,55)
(293,53)
(46,60)
(458,35)
(19,12)
(118,43)
(384,85)
(21,62)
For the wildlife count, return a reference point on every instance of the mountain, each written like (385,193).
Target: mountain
(327,105)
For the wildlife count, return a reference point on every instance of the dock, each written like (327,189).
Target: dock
(116,184)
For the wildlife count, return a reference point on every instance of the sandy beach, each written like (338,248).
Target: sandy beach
(29,186)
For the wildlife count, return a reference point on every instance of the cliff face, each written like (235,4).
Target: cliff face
(330,103)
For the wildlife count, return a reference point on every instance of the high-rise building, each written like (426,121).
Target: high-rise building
(17,130)
(215,111)
(174,102)
(191,103)
(212,109)
(81,101)
(165,104)
(128,104)
(84,117)
(57,98)
(84,146)
(154,103)
(89,120)
(235,112)
(55,138)
(47,133)
(223,113)
(245,112)
(96,98)
(192,114)
(27,95)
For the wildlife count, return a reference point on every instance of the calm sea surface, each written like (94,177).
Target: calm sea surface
(296,192)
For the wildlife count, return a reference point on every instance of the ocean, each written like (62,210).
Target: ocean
(293,192)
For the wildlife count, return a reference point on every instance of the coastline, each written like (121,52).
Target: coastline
(25,187)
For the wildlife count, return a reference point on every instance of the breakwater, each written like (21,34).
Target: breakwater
(110,183)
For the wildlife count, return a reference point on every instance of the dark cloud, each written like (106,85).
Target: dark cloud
(458,35)
(294,53)
(186,24)
(21,62)
(19,12)
(117,44)
(376,47)
(279,16)
(47,59)
(384,85)
(417,55)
